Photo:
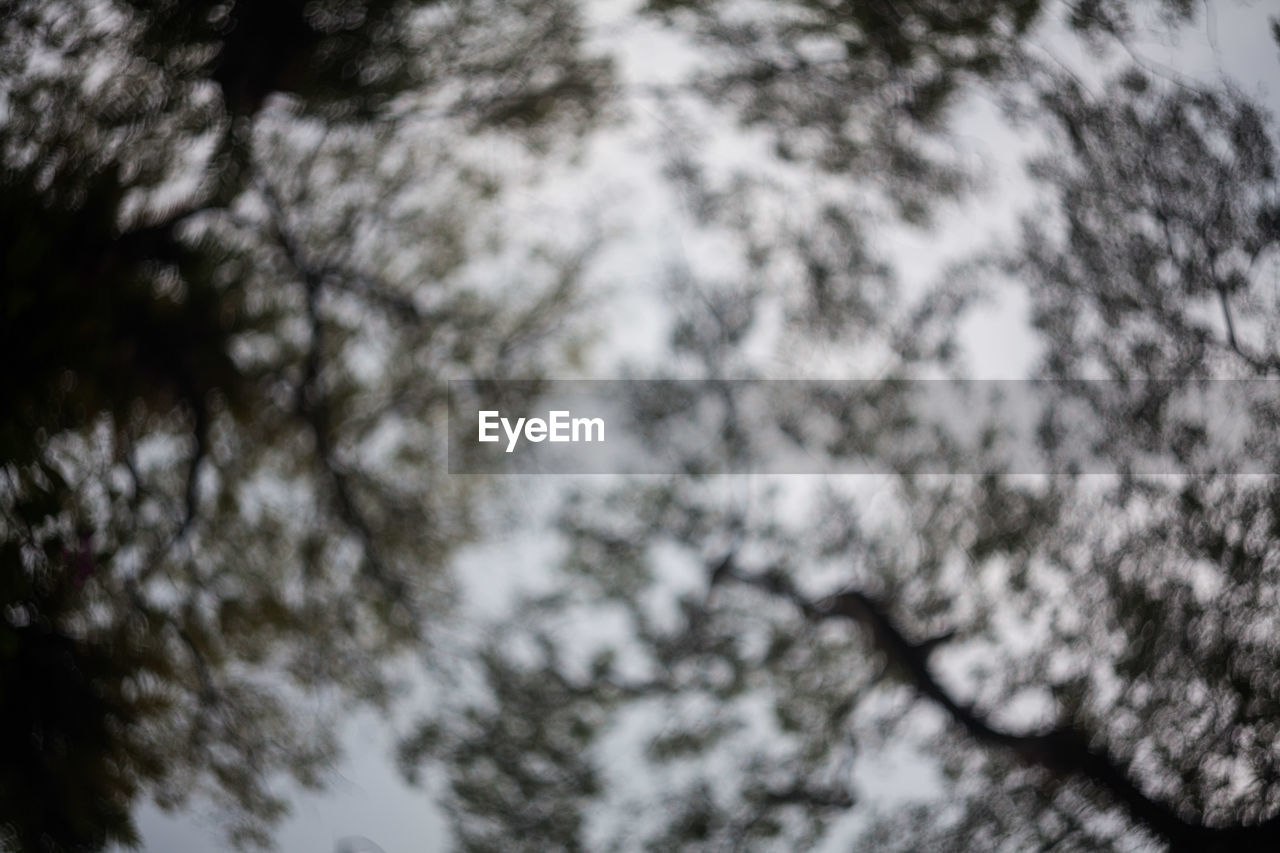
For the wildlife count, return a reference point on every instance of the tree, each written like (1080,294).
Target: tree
(236,264)
(1082,663)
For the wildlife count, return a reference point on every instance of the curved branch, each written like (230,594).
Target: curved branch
(1064,750)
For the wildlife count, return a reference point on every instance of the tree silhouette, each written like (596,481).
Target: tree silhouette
(235,267)
(1068,662)
(245,244)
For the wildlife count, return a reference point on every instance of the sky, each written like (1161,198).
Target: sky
(368,806)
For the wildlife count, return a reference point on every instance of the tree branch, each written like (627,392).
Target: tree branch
(1064,750)
(312,408)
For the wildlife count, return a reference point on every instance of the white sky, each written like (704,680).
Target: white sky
(367,798)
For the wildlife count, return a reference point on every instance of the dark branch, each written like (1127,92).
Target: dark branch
(1064,750)
(312,408)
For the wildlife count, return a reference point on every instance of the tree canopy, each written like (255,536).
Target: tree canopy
(1066,661)
(237,255)
(247,243)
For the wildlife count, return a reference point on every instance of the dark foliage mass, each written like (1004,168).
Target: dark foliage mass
(238,257)
(200,203)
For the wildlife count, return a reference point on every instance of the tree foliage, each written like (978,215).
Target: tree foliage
(237,255)
(1066,662)
(245,242)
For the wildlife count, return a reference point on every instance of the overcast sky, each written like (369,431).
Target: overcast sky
(367,799)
